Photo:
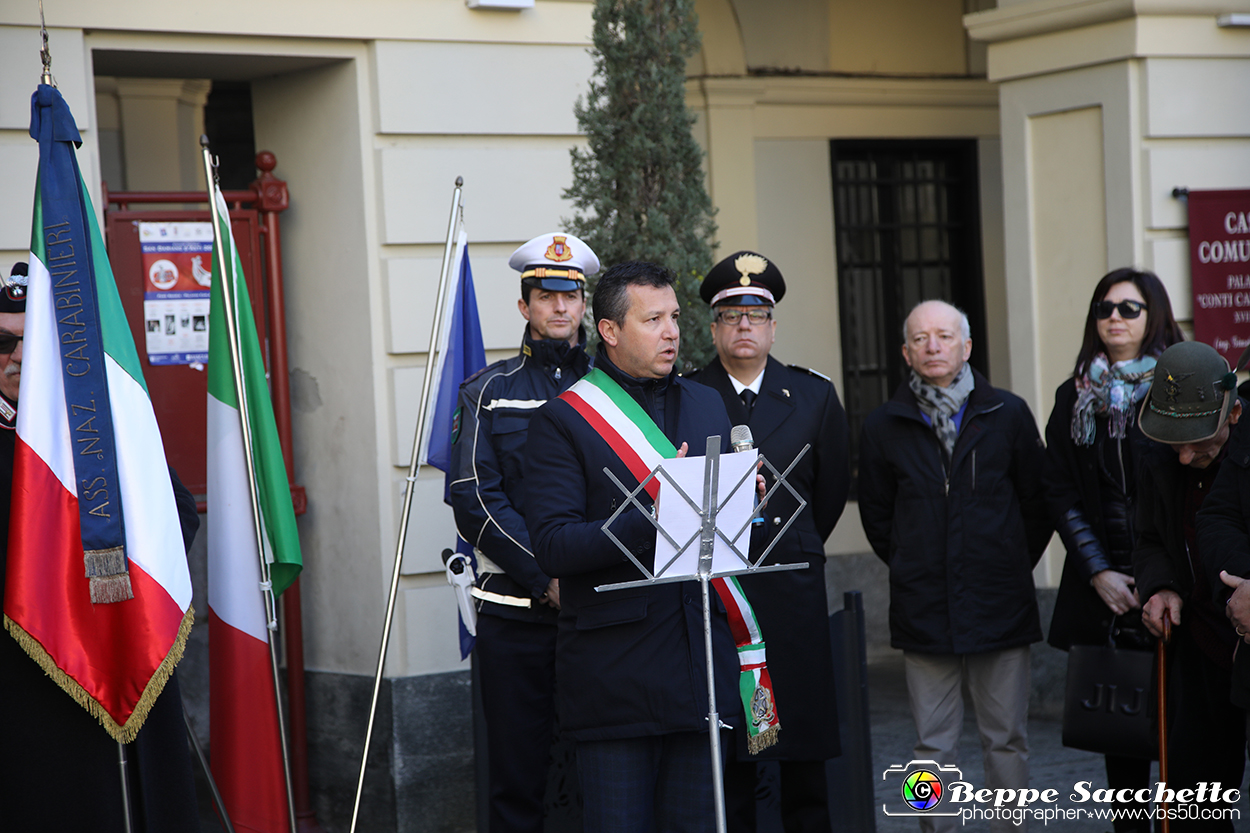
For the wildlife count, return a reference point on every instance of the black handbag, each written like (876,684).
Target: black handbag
(1107,702)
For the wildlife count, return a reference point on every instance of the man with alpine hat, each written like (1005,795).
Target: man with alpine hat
(59,770)
(786,407)
(1193,411)
(517,602)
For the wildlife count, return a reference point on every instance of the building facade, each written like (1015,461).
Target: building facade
(1005,156)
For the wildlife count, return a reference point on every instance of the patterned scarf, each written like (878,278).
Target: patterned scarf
(1110,390)
(940,404)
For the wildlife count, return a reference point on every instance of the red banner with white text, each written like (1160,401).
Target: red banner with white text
(1219,257)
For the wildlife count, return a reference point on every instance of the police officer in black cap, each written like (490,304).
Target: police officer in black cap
(517,602)
(786,407)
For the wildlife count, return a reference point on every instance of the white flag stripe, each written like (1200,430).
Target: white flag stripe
(631,433)
(153,534)
(234,584)
(146,494)
(42,380)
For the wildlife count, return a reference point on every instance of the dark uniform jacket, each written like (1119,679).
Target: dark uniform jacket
(1224,538)
(960,535)
(630,662)
(487,461)
(1074,478)
(795,407)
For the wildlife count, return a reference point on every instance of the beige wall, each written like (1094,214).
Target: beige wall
(1104,111)
(371,115)
(897,36)
(767,139)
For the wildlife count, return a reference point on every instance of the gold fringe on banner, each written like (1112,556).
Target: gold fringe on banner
(123,733)
(763,740)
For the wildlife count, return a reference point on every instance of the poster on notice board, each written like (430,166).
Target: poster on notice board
(177,266)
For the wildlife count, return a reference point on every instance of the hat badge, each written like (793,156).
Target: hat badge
(748,265)
(1172,385)
(558,251)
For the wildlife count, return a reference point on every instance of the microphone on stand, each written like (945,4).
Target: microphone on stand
(740,439)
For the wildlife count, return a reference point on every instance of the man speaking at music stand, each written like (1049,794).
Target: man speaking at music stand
(630,662)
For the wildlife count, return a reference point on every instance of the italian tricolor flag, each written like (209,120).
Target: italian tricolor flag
(113,658)
(642,446)
(244,726)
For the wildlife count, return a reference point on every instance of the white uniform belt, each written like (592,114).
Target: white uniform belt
(487,596)
(485,565)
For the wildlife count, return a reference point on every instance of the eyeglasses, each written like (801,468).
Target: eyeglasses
(8,343)
(733,316)
(1128,309)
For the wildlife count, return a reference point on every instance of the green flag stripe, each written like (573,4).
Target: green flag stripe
(633,411)
(274,492)
(115,330)
(118,340)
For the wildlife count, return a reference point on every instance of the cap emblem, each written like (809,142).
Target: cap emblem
(558,251)
(748,265)
(1172,385)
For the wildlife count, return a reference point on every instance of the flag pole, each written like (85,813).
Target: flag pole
(266,586)
(413,468)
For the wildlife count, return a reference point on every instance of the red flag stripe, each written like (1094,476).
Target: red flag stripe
(622,449)
(93,644)
(243,727)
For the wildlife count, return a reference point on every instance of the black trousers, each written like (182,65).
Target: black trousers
(517,674)
(1206,732)
(804,797)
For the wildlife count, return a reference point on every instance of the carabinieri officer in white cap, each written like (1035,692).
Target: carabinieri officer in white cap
(518,603)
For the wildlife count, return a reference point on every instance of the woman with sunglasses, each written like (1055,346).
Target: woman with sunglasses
(1093,444)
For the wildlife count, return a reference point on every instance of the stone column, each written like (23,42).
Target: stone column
(161,123)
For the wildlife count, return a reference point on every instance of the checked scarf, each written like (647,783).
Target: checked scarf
(1110,390)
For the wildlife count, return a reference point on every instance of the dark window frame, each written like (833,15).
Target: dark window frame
(907,228)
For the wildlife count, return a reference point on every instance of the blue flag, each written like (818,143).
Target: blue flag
(461,354)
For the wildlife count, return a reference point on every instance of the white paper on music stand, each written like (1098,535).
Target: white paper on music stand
(681,521)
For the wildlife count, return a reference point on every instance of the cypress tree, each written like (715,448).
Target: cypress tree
(638,189)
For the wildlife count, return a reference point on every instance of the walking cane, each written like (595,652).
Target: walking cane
(1162,680)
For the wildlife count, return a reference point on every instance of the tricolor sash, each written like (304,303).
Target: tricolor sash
(640,444)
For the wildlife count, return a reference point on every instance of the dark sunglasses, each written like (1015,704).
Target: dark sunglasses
(1128,309)
(8,343)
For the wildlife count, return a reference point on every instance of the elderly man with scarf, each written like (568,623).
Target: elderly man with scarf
(950,494)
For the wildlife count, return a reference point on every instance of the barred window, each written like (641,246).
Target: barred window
(907,229)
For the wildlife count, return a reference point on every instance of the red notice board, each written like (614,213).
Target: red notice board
(179,391)
(1219,259)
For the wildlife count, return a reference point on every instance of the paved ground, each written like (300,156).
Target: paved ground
(1051,764)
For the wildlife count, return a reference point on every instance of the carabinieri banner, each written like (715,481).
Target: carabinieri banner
(102,604)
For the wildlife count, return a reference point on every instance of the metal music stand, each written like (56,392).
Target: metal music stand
(707,508)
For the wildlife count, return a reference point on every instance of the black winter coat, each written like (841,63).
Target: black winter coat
(1073,479)
(795,407)
(630,661)
(487,464)
(1224,538)
(1160,557)
(960,535)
